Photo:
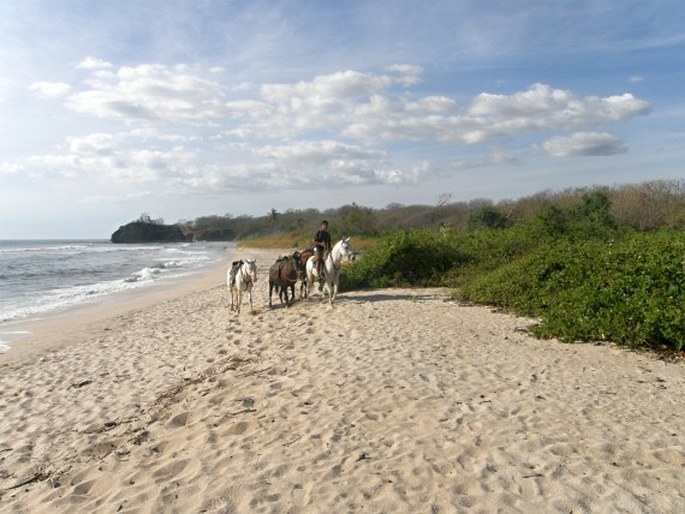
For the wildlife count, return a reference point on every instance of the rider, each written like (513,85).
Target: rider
(322,245)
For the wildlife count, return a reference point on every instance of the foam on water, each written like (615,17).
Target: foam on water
(39,277)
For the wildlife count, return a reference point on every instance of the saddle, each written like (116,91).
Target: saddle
(234,270)
(320,256)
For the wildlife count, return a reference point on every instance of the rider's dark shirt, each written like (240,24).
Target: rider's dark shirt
(323,237)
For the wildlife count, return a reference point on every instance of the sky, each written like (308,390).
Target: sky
(182,109)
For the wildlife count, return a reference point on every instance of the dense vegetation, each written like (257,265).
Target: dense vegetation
(646,206)
(585,275)
(592,263)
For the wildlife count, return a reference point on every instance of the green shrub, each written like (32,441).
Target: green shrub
(405,258)
(584,276)
(630,291)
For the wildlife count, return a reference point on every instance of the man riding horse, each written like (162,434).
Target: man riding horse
(321,248)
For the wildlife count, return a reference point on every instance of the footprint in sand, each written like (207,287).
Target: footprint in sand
(179,420)
(95,487)
(238,428)
(300,495)
(176,468)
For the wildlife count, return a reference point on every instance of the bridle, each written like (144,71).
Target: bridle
(345,249)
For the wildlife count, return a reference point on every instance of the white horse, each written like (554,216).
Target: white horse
(341,252)
(241,278)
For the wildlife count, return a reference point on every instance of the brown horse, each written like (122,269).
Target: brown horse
(282,275)
(304,257)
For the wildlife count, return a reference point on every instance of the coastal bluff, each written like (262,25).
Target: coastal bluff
(144,232)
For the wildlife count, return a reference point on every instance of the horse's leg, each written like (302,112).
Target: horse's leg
(249,293)
(309,280)
(303,291)
(335,291)
(271,288)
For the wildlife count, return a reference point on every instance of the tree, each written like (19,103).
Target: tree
(487,216)
(595,209)
(360,221)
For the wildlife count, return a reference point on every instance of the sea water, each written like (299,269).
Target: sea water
(38,278)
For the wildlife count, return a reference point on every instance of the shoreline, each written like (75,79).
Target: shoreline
(39,332)
(391,401)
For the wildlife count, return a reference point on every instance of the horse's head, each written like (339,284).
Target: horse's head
(299,264)
(346,248)
(342,251)
(250,266)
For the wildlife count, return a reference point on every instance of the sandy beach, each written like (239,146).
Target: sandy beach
(391,401)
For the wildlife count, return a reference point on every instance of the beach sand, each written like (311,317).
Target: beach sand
(391,401)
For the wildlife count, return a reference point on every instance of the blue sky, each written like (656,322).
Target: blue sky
(180,109)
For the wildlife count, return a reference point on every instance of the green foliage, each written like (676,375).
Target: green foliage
(572,257)
(648,206)
(487,217)
(356,220)
(585,276)
(403,258)
(551,221)
(630,291)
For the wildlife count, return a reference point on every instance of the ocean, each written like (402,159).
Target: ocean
(38,278)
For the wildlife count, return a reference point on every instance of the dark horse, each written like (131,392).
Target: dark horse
(283,274)
(304,257)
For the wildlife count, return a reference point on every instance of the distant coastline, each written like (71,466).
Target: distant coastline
(148,232)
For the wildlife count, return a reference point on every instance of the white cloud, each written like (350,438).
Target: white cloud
(334,130)
(635,79)
(411,74)
(406,69)
(543,108)
(538,108)
(11,167)
(584,144)
(317,151)
(364,107)
(151,92)
(92,63)
(50,89)
(326,91)
(99,143)
(331,162)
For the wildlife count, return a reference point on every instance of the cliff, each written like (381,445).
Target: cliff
(142,232)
